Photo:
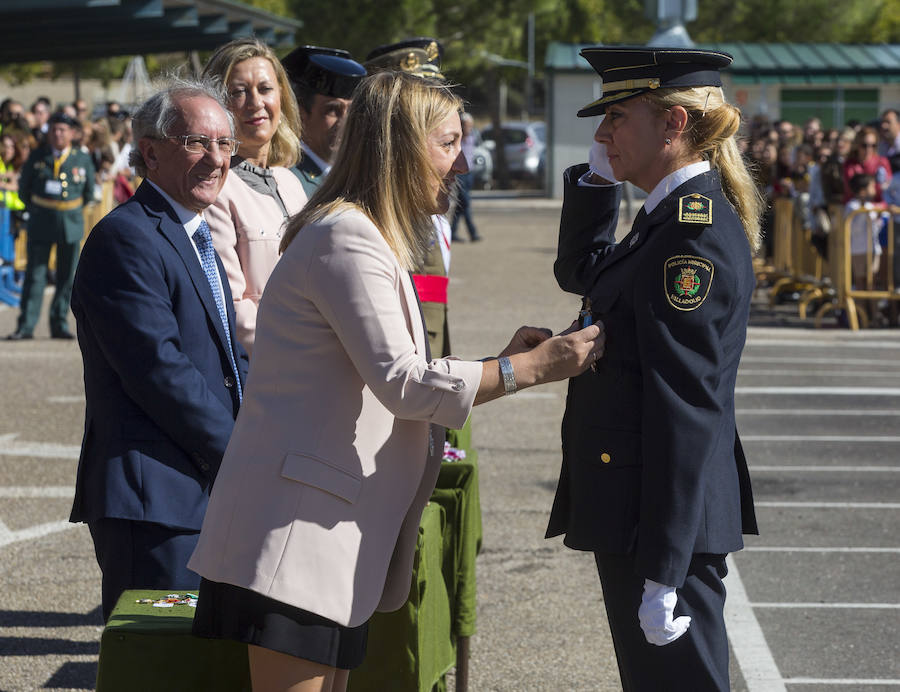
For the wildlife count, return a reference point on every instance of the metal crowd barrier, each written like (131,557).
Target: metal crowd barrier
(869,289)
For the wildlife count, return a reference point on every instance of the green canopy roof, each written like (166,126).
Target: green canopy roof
(789,63)
(76,29)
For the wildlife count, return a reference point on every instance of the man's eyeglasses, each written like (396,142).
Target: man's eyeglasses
(197,144)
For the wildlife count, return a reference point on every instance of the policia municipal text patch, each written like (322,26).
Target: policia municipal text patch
(687,281)
(695,208)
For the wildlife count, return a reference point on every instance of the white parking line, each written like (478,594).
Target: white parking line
(809,343)
(821,391)
(7,537)
(847,682)
(847,469)
(820,438)
(832,505)
(79,399)
(747,640)
(850,606)
(808,361)
(9,446)
(64,491)
(816,412)
(805,549)
(748,372)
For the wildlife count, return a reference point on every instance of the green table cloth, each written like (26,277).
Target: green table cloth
(457,493)
(411,648)
(148,649)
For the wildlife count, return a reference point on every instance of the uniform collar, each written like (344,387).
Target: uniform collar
(323,165)
(672,181)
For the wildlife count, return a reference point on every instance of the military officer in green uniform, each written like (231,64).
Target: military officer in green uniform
(323,80)
(56,182)
(421,56)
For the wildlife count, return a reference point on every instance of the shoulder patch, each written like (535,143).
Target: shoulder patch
(695,208)
(687,279)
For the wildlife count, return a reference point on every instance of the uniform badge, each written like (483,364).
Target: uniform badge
(687,281)
(411,62)
(695,208)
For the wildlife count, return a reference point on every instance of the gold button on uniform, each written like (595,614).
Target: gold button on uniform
(605,458)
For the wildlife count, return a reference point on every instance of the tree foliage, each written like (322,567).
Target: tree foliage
(471,30)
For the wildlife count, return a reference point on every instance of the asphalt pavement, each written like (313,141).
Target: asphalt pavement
(814,602)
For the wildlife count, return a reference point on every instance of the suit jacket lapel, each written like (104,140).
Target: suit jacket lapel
(170,227)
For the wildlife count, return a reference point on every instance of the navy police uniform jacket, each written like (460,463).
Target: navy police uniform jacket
(309,174)
(652,464)
(159,385)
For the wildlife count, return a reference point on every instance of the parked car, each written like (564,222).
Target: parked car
(483,165)
(525,147)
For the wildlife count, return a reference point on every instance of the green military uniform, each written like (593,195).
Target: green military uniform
(54,191)
(435,311)
(310,174)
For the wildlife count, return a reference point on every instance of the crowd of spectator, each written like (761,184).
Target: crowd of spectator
(105,135)
(826,169)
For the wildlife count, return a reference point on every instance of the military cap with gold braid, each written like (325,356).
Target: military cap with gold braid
(628,71)
(419,56)
(327,71)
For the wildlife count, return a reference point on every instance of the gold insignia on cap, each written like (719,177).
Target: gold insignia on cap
(432,51)
(410,62)
(695,208)
(687,280)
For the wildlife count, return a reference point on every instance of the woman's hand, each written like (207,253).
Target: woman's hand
(567,354)
(552,358)
(525,339)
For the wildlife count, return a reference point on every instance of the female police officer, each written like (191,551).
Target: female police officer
(654,480)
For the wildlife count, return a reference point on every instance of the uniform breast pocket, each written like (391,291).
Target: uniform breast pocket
(318,473)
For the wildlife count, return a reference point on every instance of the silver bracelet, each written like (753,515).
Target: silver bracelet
(508,374)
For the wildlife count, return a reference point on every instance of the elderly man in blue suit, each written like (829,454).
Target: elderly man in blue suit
(163,373)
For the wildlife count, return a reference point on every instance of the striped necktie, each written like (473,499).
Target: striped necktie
(203,239)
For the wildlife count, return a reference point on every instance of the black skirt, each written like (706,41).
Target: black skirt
(231,612)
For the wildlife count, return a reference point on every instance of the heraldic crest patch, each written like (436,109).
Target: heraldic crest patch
(687,281)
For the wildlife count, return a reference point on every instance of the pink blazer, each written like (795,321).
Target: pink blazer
(318,500)
(246,230)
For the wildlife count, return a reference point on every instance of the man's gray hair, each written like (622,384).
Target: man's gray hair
(159,113)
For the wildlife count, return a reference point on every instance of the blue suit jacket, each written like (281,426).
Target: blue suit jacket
(159,386)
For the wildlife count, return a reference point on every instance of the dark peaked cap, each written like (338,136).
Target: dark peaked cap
(420,56)
(630,70)
(60,117)
(327,71)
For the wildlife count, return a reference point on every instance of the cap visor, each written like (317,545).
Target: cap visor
(599,106)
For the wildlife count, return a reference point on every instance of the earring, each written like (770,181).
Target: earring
(668,141)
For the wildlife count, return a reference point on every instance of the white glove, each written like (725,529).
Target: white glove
(599,162)
(656,612)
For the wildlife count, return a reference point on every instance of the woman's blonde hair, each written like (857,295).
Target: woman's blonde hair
(382,166)
(710,131)
(285,147)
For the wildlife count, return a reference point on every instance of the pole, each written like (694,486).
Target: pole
(529,79)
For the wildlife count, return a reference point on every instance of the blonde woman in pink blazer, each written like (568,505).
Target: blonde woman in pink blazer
(248,217)
(312,522)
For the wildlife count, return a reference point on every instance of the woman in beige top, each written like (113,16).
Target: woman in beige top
(312,523)
(260,193)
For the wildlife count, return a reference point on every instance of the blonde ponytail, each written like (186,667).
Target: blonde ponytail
(712,125)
